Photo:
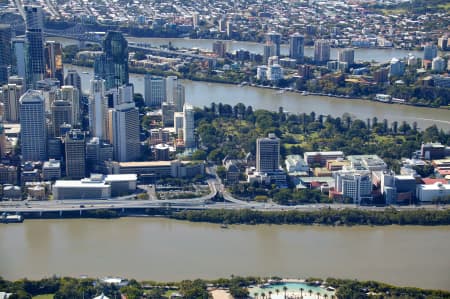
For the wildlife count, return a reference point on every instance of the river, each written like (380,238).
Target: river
(363,54)
(203,94)
(167,250)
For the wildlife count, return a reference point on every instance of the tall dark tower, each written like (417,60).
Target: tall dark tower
(115,47)
(5,52)
(35,66)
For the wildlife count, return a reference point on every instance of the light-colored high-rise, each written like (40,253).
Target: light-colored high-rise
(33,133)
(267,154)
(188,126)
(75,150)
(155,90)
(98,108)
(321,51)
(11,94)
(70,94)
(124,132)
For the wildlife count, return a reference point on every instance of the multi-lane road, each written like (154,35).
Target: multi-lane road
(204,202)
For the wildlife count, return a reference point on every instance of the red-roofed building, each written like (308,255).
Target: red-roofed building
(430,181)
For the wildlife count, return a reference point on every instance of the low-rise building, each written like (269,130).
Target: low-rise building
(87,188)
(369,162)
(151,170)
(295,163)
(321,158)
(51,170)
(434,192)
(121,184)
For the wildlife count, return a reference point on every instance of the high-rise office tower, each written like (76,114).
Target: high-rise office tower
(5,52)
(321,51)
(70,94)
(98,107)
(268,51)
(115,47)
(347,55)
(175,93)
(268,154)
(275,39)
(74,79)
(18,57)
(11,94)
(75,154)
(61,114)
(53,61)
(35,66)
(430,51)
(220,48)
(296,46)
(103,70)
(179,97)
(33,131)
(124,126)
(168,110)
(171,84)
(155,90)
(188,126)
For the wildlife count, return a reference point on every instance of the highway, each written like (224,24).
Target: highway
(200,203)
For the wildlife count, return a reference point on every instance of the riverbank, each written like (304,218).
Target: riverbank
(223,288)
(325,217)
(279,90)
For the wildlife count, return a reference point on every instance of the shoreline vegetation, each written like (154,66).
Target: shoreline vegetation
(238,287)
(326,216)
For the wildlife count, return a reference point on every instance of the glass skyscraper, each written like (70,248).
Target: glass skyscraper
(115,47)
(35,68)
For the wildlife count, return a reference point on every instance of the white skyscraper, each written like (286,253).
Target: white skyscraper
(171,84)
(98,109)
(188,126)
(155,90)
(33,133)
(10,97)
(124,131)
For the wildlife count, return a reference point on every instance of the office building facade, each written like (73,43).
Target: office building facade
(268,154)
(5,52)
(321,51)
(75,154)
(297,47)
(33,133)
(35,66)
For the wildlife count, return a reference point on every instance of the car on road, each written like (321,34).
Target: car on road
(81,206)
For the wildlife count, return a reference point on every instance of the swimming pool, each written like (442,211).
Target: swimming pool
(293,291)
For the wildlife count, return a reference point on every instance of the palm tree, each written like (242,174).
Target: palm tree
(270,294)
(277,291)
(310,292)
(318,295)
(325,296)
(256,295)
(285,289)
(263,295)
(301,292)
